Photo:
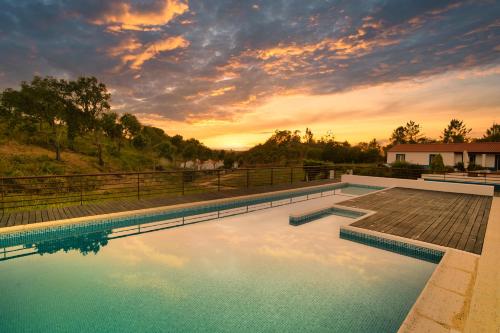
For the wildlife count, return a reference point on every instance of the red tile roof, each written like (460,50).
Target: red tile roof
(479,147)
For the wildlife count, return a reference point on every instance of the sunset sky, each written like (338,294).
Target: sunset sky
(231,72)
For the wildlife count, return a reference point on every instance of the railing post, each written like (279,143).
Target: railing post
(248,178)
(138,187)
(182,177)
(272,176)
(3,196)
(218,180)
(81,191)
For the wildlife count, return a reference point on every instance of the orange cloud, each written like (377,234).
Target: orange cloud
(124,17)
(137,54)
(221,91)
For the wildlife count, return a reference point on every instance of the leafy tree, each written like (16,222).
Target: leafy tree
(42,100)
(91,97)
(190,150)
(413,132)
(492,134)
(456,132)
(131,125)
(112,128)
(177,141)
(410,133)
(166,150)
(309,136)
(398,136)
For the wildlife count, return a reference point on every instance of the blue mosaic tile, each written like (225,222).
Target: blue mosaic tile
(407,249)
(315,215)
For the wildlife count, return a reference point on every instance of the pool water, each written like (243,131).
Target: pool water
(245,273)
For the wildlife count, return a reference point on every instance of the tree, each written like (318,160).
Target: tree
(309,136)
(131,125)
(112,128)
(91,97)
(413,130)
(492,134)
(455,132)
(166,150)
(398,136)
(189,151)
(42,98)
(410,133)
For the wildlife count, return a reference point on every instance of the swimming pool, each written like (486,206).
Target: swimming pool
(243,273)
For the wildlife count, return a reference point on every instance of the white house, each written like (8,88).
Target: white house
(486,154)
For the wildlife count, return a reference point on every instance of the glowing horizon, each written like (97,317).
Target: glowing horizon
(477,89)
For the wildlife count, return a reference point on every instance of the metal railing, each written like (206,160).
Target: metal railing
(43,191)
(27,193)
(481,178)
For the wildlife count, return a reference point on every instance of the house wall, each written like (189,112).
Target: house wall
(423,158)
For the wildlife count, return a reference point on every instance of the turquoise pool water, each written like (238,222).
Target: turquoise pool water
(245,273)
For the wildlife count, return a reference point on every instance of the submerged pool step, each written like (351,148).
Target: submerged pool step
(313,215)
(398,246)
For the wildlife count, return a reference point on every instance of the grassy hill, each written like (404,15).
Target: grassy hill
(23,159)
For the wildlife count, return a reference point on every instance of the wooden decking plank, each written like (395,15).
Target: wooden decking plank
(471,240)
(458,238)
(478,246)
(435,227)
(448,231)
(440,237)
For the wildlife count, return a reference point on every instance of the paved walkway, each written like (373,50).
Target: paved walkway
(61,213)
(449,219)
(484,315)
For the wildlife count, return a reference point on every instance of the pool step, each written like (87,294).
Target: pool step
(302,218)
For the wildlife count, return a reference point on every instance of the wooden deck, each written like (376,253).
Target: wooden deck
(454,220)
(60,213)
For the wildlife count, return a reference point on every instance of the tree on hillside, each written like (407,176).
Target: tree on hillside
(166,150)
(131,125)
(492,134)
(189,151)
(112,128)
(455,132)
(42,99)
(91,97)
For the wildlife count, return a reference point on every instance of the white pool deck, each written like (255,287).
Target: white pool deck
(462,295)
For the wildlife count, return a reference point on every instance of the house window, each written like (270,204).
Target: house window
(472,159)
(431,158)
(400,157)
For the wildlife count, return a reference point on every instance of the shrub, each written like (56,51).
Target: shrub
(460,166)
(437,164)
(474,167)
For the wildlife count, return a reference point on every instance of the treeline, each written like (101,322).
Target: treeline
(58,113)
(285,147)
(288,147)
(455,132)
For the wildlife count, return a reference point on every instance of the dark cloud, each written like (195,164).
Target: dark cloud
(219,57)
